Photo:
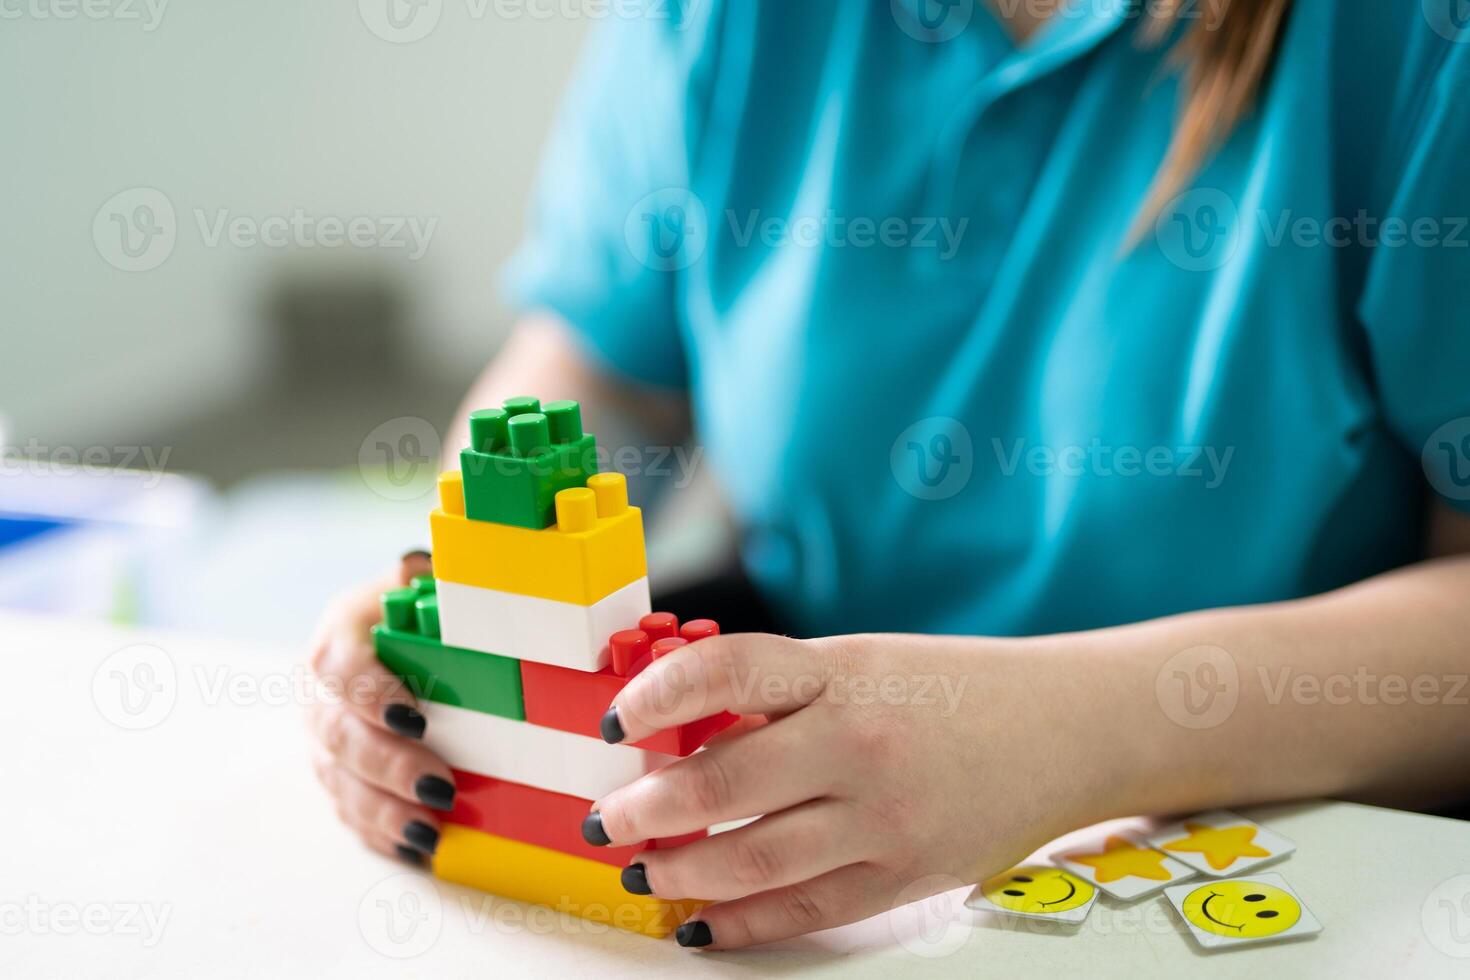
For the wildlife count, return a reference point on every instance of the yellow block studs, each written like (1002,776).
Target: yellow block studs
(576,510)
(451,492)
(594,549)
(612,493)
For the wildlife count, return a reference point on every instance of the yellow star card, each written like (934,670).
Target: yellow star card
(1124,866)
(1259,908)
(1221,843)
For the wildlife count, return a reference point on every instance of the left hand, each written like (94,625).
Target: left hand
(888,759)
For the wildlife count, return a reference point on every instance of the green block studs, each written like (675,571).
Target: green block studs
(426,611)
(488,430)
(523,405)
(564,419)
(436,672)
(530,435)
(520,457)
(398,611)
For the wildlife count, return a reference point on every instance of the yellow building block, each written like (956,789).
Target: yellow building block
(594,548)
(565,882)
(451,492)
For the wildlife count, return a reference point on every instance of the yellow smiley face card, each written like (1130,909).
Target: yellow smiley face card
(1036,891)
(1124,866)
(1221,843)
(1239,911)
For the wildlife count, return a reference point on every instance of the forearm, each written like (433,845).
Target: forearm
(1359,693)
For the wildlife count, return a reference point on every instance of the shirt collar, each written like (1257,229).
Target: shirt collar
(1076,29)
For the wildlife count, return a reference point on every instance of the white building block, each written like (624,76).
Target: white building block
(540,630)
(546,758)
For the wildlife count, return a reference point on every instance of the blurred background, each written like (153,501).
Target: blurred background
(250,263)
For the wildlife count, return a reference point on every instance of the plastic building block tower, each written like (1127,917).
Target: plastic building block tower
(537,615)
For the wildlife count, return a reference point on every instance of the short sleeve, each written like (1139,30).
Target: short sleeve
(1415,305)
(622,137)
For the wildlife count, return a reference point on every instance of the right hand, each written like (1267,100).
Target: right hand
(370,756)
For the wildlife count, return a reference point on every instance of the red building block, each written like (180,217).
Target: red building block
(659,625)
(575,700)
(537,816)
(698,629)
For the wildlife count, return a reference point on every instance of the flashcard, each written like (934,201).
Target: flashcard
(1221,843)
(1238,911)
(1124,866)
(1034,891)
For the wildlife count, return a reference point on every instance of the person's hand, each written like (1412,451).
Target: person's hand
(384,782)
(891,762)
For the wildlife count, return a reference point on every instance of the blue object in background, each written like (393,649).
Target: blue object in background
(16,528)
(95,543)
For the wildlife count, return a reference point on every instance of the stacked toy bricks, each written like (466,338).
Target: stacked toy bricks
(537,615)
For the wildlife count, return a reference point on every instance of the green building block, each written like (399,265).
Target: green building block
(398,612)
(520,457)
(436,672)
(426,613)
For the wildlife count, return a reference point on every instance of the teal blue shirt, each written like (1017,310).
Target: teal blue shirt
(884,249)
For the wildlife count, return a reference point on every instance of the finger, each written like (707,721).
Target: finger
(389,847)
(356,679)
(848,894)
(413,564)
(746,673)
(370,835)
(400,766)
(373,810)
(742,725)
(778,849)
(744,777)
(348,666)
(359,608)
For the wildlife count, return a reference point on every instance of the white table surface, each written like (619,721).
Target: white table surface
(188,839)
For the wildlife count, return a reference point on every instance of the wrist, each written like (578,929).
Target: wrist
(1149,698)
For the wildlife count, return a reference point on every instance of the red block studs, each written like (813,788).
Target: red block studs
(575,700)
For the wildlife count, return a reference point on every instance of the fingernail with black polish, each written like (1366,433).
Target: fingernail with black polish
(421,836)
(404,720)
(635,880)
(611,726)
(592,831)
(694,934)
(409,855)
(435,793)
(417,553)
